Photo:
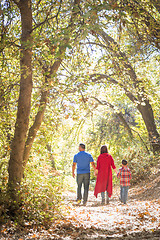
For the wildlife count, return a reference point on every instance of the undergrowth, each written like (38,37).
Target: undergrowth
(41,189)
(141,164)
(40,197)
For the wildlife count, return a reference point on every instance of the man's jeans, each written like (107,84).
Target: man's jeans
(85,180)
(124,193)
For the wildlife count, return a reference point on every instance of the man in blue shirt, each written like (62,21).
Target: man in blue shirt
(82,160)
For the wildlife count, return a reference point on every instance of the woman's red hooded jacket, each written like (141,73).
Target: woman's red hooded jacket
(104,179)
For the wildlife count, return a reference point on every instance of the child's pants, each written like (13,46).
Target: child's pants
(124,193)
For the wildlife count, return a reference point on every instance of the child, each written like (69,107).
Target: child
(125,175)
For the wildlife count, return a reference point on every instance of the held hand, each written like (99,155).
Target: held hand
(96,172)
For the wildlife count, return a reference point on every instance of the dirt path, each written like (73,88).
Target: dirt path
(139,220)
(135,220)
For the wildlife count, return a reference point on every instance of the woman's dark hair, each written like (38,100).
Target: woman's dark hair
(104,149)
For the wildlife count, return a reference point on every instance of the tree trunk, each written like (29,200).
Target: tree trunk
(15,168)
(35,127)
(20,148)
(44,94)
(51,156)
(148,117)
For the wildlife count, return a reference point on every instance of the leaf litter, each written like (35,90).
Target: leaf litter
(138,219)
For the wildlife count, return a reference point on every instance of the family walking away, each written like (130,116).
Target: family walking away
(103,172)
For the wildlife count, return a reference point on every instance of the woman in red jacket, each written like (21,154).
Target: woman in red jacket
(103,171)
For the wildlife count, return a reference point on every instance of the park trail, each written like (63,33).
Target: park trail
(139,219)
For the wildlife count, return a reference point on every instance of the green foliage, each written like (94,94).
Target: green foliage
(40,194)
(140,162)
(72,115)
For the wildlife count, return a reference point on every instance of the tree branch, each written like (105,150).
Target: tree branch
(35,127)
(141,140)
(112,80)
(120,115)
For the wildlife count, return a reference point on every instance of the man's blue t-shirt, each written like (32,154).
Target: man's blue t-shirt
(83,160)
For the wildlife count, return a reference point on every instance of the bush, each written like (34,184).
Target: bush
(140,163)
(40,197)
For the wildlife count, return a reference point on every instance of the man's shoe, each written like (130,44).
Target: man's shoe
(84,203)
(78,202)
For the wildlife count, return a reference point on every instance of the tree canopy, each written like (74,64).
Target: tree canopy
(77,71)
